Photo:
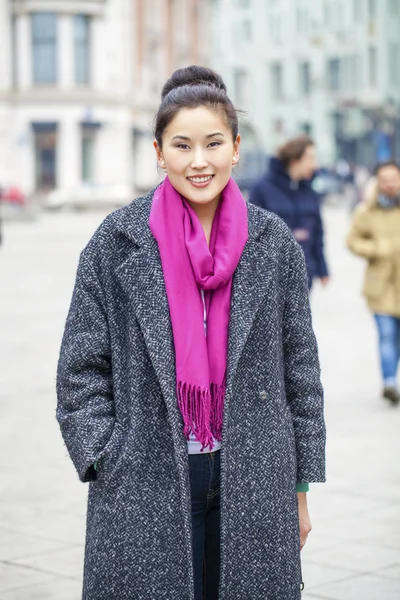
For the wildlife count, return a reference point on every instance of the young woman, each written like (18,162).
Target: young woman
(188,383)
(286,191)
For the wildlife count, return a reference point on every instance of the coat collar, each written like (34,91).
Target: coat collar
(133,221)
(278,175)
(142,278)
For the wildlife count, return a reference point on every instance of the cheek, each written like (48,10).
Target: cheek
(175,164)
(223,161)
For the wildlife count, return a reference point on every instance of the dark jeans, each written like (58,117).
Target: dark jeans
(205,493)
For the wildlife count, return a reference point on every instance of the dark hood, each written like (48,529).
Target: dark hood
(277,174)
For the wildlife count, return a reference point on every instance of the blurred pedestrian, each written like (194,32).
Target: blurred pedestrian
(375,235)
(286,191)
(151,387)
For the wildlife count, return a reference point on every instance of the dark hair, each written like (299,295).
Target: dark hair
(387,163)
(192,87)
(294,148)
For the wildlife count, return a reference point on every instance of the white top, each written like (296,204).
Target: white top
(194,446)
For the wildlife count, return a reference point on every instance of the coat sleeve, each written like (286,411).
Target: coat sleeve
(361,240)
(319,254)
(302,373)
(85,409)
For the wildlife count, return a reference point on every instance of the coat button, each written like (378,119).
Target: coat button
(263,395)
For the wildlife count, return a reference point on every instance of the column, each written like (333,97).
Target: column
(169,32)
(98,65)
(139,29)
(193,41)
(24,52)
(66,75)
(68,153)
(6,59)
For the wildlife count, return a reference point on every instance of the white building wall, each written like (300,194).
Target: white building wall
(106,100)
(114,102)
(290,31)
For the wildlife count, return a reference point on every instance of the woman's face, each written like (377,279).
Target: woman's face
(306,166)
(198,153)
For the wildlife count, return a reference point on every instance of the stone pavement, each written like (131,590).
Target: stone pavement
(353,552)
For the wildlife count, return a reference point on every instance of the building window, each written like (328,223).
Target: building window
(394,7)
(44,47)
(372,8)
(345,68)
(306,128)
(305,78)
(45,136)
(302,21)
(82,48)
(247,28)
(14,51)
(334,74)
(394,56)
(87,153)
(355,71)
(373,66)
(277,81)
(358,10)
(275,28)
(327,14)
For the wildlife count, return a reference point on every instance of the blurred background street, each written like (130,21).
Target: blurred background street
(353,552)
(80,82)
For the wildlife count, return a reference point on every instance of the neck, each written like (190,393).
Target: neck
(206,214)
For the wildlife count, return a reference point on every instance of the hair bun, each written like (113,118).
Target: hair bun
(193,75)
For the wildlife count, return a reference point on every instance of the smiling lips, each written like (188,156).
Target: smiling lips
(200,180)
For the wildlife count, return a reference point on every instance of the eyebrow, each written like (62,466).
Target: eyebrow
(184,137)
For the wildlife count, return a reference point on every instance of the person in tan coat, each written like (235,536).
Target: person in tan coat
(375,235)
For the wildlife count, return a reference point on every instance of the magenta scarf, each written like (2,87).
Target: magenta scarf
(189,266)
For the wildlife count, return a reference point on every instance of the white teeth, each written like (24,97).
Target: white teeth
(200,179)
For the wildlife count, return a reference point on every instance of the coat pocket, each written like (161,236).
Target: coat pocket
(111,454)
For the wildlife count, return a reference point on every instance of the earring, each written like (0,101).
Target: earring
(162,164)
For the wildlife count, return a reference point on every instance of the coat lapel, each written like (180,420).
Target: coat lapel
(250,284)
(141,277)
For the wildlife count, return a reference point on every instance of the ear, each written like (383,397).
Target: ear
(159,154)
(236,151)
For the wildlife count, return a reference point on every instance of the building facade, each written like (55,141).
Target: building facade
(329,68)
(79,86)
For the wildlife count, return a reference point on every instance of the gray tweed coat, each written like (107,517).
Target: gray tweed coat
(117,406)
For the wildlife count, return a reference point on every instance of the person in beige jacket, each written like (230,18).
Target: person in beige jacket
(375,235)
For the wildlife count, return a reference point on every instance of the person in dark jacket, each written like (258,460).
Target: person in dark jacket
(286,191)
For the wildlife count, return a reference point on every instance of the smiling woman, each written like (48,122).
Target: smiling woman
(196,138)
(189,392)
(197,151)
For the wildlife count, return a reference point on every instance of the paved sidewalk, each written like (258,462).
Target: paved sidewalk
(354,550)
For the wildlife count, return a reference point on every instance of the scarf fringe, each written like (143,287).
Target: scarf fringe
(202,412)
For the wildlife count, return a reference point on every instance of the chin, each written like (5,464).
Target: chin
(204,196)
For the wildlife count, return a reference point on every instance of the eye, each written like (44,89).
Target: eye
(183,146)
(214,144)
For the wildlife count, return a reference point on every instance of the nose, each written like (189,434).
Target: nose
(199,159)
